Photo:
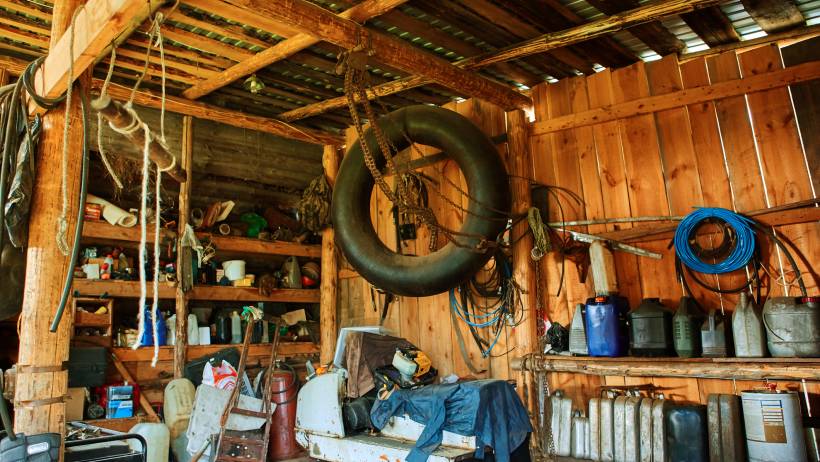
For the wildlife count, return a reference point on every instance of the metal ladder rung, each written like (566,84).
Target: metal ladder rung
(245,441)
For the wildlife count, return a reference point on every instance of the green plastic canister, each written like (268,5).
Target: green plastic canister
(686,328)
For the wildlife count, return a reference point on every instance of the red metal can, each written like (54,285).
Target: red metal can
(284,386)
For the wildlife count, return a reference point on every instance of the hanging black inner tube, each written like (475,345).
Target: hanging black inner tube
(485,174)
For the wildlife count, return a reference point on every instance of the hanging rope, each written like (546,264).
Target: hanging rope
(104,91)
(62,220)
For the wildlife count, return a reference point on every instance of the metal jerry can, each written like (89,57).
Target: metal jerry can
(747,329)
(793,326)
(580,436)
(686,328)
(726,441)
(713,335)
(651,329)
(577,333)
(652,430)
(626,432)
(686,433)
(774,429)
(561,423)
(601,431)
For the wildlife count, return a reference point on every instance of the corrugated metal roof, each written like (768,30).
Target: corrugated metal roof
(745,26)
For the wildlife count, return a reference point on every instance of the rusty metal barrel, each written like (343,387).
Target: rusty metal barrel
(284,385)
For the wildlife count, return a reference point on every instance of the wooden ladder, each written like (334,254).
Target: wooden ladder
(245,446)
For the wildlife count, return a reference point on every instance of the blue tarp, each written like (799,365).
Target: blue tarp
(490,410)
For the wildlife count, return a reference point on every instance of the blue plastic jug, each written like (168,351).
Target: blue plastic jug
(147,338)
(606,325)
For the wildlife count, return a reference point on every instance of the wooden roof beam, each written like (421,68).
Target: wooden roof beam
(359,13)
(325,25)
(649,12)
(774,15)
(97,26)
(653,33)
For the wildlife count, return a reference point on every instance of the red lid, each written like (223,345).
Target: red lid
(600,298)
(814,299)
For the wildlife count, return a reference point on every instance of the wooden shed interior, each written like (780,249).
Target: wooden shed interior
(613,118)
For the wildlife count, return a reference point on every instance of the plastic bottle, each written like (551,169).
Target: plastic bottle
(686,328)
(171,329)
(178,405)
(193,330)
(747,329)
(236,328)
(158,438)
(223,329)
(107,267)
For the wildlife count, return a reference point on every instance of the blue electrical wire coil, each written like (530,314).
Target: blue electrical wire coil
(742,252)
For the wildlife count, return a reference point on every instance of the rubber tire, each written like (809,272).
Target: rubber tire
(485,174)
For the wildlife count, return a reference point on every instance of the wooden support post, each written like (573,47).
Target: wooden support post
(42,381)
(519,166)
(118,116)
(330,269)
(181,345)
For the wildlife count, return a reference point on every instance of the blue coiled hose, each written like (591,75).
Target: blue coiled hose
(744,236)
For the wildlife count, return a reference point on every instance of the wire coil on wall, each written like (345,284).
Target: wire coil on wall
(739,237)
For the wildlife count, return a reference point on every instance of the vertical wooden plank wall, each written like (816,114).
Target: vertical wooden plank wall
(426,321)
(741,153)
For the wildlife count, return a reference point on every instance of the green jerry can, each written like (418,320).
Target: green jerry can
(686,328)
(651,329)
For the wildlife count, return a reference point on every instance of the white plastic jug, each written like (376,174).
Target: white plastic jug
(193,330)
(171,330)
(157,437)
(178,405)
(236,328)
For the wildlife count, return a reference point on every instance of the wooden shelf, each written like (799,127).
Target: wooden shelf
(166,353)
(712,368)
(101,231)
(251,294)
(258,246)
(131,289)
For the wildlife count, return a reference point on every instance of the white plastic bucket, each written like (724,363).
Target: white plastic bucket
(234,269)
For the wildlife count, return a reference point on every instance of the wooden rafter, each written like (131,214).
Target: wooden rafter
(775,15)
(652,33)
(97,26)
(325,25)
(359,13)
(649,12)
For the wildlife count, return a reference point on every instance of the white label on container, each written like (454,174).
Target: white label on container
(764,420)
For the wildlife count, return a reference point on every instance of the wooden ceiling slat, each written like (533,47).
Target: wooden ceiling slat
(22,36)
(653,34)
(438,37)
(775,16)
(192,56)
(287,48)
(317,21)
(712,26)
(27,9)
(205,44)
(250,18)
(230,32)
(170,63)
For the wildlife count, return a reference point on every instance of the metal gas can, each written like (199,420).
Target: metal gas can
(606,325)
(651,329)
(652,430)
(726,441)
(601,429)
(774,430)
(561,423)
(686,328)
(713,335)
(747,329)
(577,333)
(626,411)
(580,436)
(686,433)
(793,326)
(284,385)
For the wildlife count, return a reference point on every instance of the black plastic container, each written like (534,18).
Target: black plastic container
(650,328)
(686,433)
(87,367)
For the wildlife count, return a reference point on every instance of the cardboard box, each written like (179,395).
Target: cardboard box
(75,404)
(119,409)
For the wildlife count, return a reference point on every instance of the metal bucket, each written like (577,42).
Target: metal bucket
(774,430)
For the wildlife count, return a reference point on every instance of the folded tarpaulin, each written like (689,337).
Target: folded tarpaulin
(490,410)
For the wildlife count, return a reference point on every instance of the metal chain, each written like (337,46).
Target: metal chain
(354,86)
